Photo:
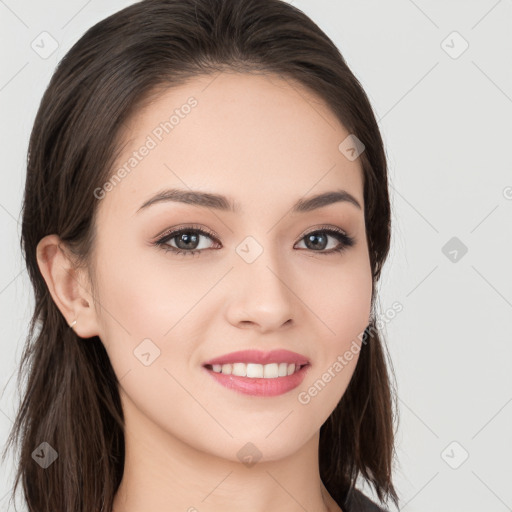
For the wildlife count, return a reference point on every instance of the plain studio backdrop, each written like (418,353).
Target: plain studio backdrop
(439,77)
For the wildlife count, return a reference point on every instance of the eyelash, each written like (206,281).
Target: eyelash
(345,240)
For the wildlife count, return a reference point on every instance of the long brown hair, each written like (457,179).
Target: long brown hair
(71,398)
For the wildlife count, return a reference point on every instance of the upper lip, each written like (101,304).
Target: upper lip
(260,357)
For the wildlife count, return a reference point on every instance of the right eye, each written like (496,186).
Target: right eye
(187,240)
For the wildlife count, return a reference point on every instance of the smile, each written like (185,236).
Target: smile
(255,370)
(256,385)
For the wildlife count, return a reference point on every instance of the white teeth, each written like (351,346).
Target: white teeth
(256,371)
(283,369)
(270,371)
(239,369)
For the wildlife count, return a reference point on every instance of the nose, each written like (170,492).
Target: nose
(261,295)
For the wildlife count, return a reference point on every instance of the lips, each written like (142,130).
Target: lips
(260,357)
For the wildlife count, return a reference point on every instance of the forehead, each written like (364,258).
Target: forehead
(256,138)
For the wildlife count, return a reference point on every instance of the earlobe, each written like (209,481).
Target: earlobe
(67,286)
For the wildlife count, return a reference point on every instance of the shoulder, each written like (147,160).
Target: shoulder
(358,502)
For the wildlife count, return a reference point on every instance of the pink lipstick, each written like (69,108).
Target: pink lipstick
(258,373)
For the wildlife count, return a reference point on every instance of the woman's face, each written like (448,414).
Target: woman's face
(264,277)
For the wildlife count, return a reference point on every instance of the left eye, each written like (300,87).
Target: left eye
(318,239)
(188,241)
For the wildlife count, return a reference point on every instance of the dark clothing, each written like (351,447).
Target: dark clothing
(357,502)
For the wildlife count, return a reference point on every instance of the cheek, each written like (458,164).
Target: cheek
(343,310)
(148,306)
(146,295)
(341,300)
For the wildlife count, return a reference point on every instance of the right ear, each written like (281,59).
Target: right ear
(68,286)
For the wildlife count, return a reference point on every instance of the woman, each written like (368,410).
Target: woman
(205,219)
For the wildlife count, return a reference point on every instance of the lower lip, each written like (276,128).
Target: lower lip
(260,387)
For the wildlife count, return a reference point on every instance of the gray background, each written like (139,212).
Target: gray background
(446,119)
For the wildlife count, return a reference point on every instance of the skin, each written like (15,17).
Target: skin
(265,143)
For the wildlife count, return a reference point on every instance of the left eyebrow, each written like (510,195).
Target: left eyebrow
(325,199)
(220,202)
